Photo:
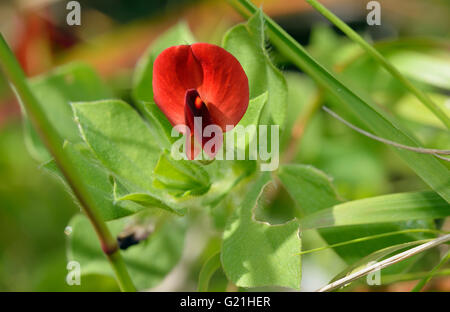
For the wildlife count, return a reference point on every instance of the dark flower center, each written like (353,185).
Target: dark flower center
(196,114)
(197,117)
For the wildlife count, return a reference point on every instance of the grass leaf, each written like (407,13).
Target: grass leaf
(386,208)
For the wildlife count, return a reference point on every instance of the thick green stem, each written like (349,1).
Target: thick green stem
(379,58)
(54,143)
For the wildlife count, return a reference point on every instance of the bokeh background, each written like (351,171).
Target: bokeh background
(34,208)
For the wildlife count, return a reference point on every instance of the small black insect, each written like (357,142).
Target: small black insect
(133,234)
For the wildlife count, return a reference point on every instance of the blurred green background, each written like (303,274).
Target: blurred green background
(34,207)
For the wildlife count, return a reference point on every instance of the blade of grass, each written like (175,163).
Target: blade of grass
(366,238)
(54,143)
(430,169)
(385,263)
(386,208)
(379,58)
(421,284)
(377,256)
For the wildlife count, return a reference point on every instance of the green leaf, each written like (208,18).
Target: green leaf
(142,80)
(253,114)
(148,262)
(310,187)
(159,124)
(251,117)
(259,254)
(123,143)
(182,177)
(149,201)
(226,175)
(120,140)
(247,43)
(97,181)
(55,91)
(386,208)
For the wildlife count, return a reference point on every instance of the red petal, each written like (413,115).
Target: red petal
(175,71)
(225,84)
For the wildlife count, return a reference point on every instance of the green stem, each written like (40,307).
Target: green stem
(379,57)
(54,143)
(428,277)
(121,271)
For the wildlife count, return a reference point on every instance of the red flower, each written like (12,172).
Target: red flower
(200,80)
